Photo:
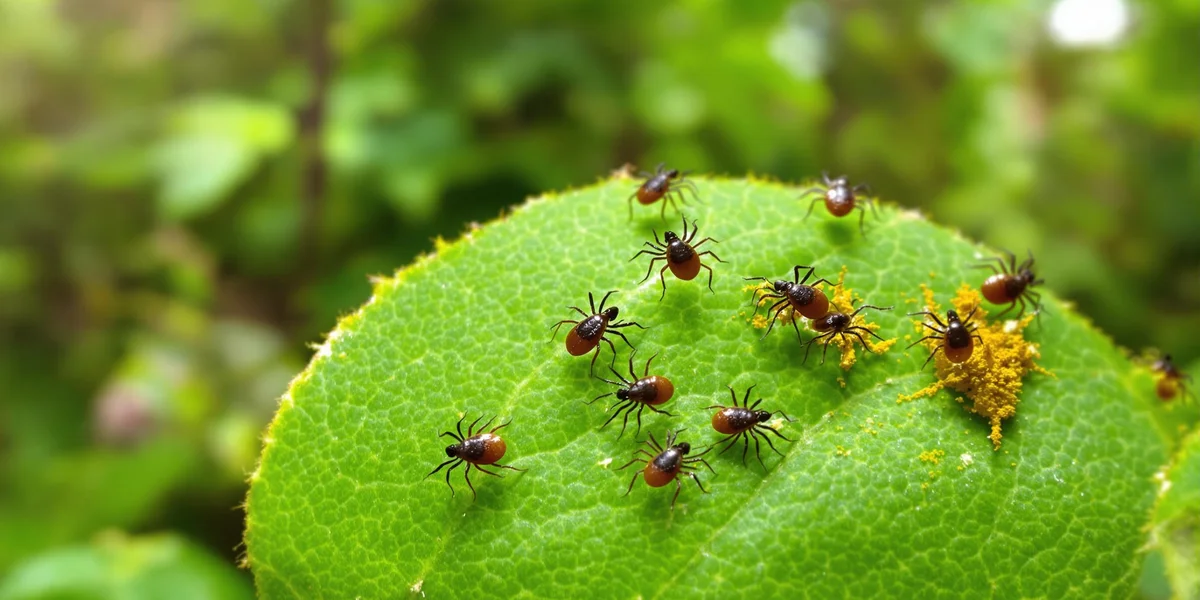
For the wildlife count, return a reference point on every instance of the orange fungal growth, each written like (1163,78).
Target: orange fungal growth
(992,377)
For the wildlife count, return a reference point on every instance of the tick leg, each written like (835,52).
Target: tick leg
(825,350)
(656,252)
(745,447)
(782,304)
(697,480)
(989,265)
(769,442)
(930,357)
(728,442)
(483,470)
(620,335)
(620,408)
(559,324)
(625,324)
(452,467)
(928,337)
(485,425)
(811,204)
(651,269)
(631,481)
(797,328)
(707,239)
(662,277)
(439,467)
(631,197)
(710,275)
(812,190)
(678,488)
(860,339)
(710,253)
(757,452)
(862,214)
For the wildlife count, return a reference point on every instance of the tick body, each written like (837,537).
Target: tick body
(804,299)
(664,466)
(587,334)
(743,422)
(475,450)
(663,184)
(1011,283)
(958,341)
(1171,380)
(680,256)
(840,324)
(840,198)
(637,394)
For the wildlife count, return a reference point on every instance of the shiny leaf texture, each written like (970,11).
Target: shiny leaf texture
(874,498)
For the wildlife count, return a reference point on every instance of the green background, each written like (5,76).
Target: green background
(181,217)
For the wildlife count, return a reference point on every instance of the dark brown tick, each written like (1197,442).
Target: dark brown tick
(1010,284)
(803,298)
(587,334)
(1171,381)
(664,466)
(637,394)
(957,338)
(743,421)
(836,323)
(474,449)
(840,199)
(680,255)
(663,184)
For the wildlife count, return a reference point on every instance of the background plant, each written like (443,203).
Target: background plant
(181,216)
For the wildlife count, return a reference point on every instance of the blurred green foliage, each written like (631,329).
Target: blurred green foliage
(181,214)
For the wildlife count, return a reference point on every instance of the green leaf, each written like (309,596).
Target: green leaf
(340,508)
(1176,519)
(114,566)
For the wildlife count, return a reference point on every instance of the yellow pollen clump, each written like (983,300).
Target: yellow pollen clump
(932,456)
(843,302)
(991,379)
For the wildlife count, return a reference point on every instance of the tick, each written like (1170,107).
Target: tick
(474,449)
(1171,380)
(587,334)
(664,466)
(835,324)
(840,199)
(1010,284)
(803,298)
(958,339)
(663,184)
(743,421)
(637,394)
(680,255)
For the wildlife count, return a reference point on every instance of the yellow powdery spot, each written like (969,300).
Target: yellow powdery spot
(843,301)
(761,321)
(841,451)
(992,378)
(932,456)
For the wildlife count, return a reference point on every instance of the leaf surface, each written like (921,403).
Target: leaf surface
(339,507)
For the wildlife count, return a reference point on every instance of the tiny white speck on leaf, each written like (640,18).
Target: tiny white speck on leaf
(604,463)
(967,459)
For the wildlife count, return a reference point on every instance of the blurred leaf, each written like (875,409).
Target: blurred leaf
(213,145)
(1176,521)
(116,566)
(851,509)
